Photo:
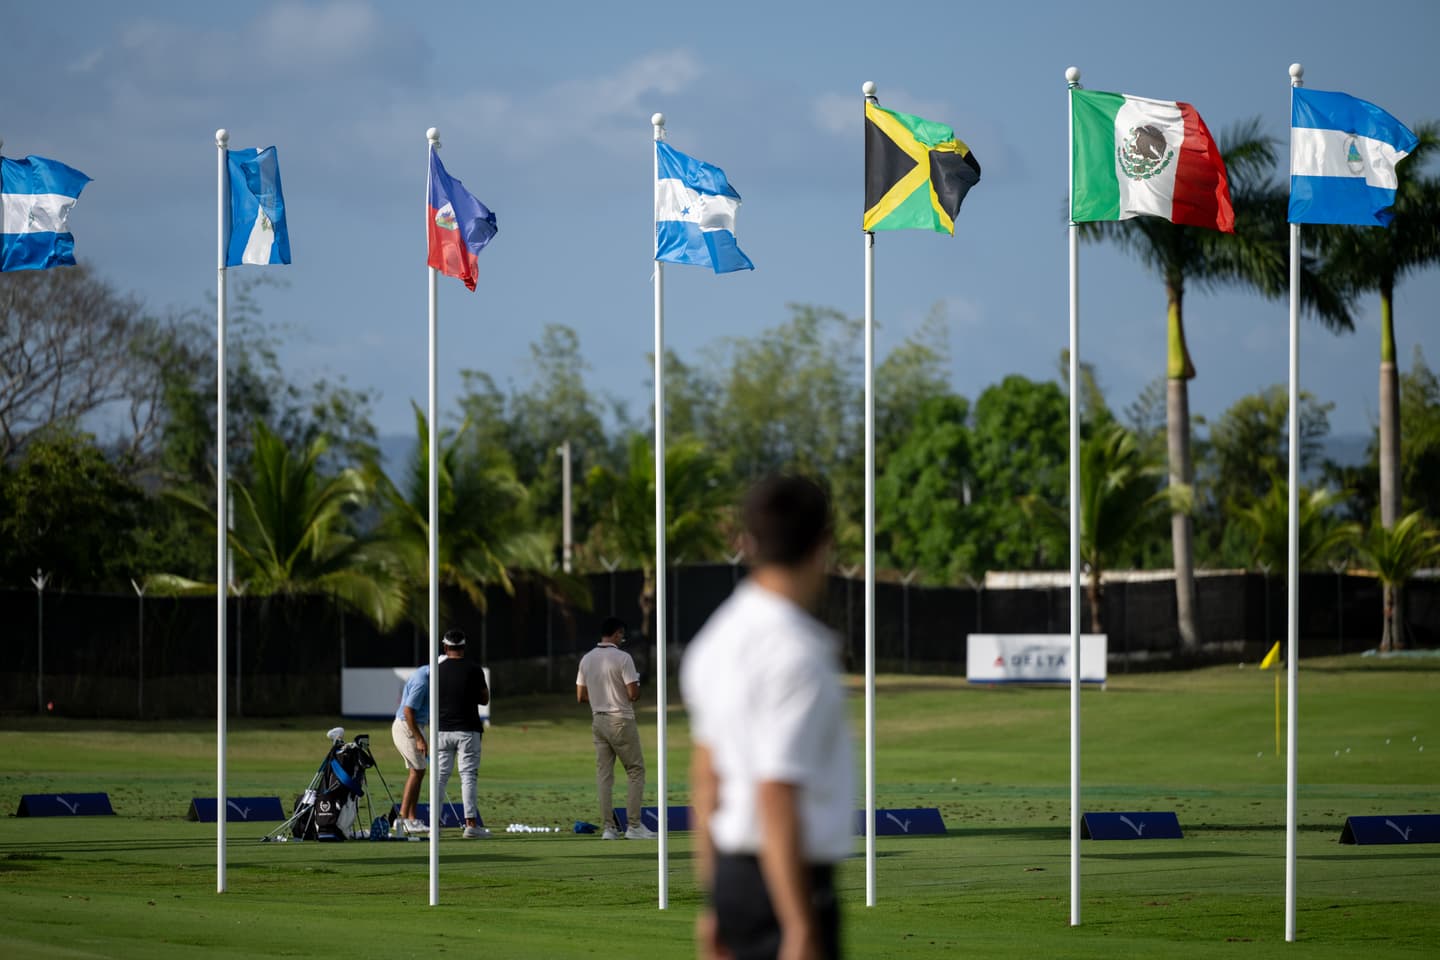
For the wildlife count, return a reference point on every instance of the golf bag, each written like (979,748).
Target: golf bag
(327,809)
(333,798)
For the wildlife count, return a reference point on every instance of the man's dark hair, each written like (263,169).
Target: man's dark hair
(610,625)
(787,518)
(454,638)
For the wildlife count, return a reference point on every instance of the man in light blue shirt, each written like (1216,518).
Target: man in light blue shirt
(409,735)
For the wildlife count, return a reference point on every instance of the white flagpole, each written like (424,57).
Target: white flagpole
(1292,572)
(222,139)
(432,137)
(658,122)
(868,89)
(1072,81)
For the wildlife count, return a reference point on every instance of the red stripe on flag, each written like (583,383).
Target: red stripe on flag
(448,253)
(1202,189)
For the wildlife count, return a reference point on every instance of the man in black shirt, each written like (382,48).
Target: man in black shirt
(462,690)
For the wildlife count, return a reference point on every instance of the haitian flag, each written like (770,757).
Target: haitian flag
(459,225)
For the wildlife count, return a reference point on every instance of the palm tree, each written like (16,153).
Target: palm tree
(1397,552)
(292,533)
(1255,256)
(1120,497)
(484,539)
(1366,258)
(696,505)
(1323,534)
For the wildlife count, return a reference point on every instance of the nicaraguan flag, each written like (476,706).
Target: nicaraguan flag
(257,209)
(1343,153)
(35,200)
(458,225)
(695,213)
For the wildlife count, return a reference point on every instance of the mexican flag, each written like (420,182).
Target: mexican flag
(1135,156)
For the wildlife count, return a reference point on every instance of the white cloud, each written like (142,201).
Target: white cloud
(335,32)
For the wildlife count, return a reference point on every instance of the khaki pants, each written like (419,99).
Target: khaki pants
(618,737)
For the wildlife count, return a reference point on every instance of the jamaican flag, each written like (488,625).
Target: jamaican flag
(916,172)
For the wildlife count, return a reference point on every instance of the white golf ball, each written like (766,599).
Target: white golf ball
(1337,753)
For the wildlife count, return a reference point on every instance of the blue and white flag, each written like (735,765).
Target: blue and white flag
(35,200)
(695,213)
(257,209)
(1343,153)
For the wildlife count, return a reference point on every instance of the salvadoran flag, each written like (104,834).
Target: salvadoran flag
(1343,153)
(35,200)
(459,225)
(257,209)
(695,213)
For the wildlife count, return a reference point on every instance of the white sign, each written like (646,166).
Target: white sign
(1032,657)
(376,692)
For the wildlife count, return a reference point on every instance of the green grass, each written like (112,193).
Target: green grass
(995,761)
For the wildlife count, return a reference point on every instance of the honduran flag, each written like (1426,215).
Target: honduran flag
(459,225)
(695,213)
(1343,152)
(35,200)
(1134,156)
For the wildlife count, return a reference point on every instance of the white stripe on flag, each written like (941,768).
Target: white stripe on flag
(35,212)
(675,201)
(1325,153)
(1155,194)
(262,240)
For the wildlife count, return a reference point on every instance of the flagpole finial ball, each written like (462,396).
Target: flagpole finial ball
(1296,71)
(868,88)
(657,119)
(433,135)
(1072,75)
(222,137)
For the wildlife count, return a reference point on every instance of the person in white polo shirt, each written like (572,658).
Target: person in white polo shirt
(771,779)
(609,682)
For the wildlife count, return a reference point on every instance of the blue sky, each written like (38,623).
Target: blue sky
(544,112)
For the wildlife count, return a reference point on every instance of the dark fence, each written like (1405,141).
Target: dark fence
(126,656)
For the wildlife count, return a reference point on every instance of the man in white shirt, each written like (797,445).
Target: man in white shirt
(608,681)
(771,777)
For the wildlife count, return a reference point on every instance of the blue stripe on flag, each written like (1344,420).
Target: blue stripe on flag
(696,174)
(1340,200)
(677,241)
(1327,110)
(39,175)
(36,251)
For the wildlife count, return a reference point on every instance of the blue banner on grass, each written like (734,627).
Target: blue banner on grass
(1399,828)
(237,809)
(1148,825)
(65,805)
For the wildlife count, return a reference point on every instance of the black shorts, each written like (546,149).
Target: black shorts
(745,921)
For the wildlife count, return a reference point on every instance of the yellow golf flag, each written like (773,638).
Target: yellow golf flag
(1271,658)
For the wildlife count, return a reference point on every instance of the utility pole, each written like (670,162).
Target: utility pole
(567,549)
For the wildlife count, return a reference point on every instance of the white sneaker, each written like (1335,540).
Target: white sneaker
(610,834)
(415,827)
(639,831)
(476,833)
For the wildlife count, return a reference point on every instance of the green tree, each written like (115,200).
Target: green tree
(1019,448)
(921,496)
(484,537)
(1324,534)
(1122,501)
(293,533)
(697,504)
(1366,258)
(790,400)
(1249,446)
(1254,257)
(1395,553)
(68,510)
(1420,454)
